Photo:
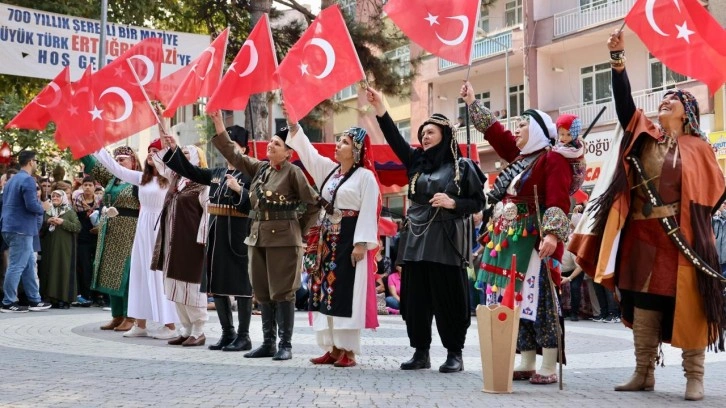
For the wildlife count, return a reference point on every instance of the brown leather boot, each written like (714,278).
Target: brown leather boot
(693,367)
(646,338)
(127,324)
(114,323)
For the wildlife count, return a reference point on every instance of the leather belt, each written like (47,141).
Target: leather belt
(271,215)
(667,210)
(127,212)
(224,210)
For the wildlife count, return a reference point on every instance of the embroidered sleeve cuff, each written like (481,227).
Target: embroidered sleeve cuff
(481,116)
(555,222)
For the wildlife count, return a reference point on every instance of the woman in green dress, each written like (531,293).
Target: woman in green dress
(58,263)
(116,236)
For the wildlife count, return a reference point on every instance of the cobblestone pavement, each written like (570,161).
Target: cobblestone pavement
(62,359)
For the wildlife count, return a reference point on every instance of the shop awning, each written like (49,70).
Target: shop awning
(390,170)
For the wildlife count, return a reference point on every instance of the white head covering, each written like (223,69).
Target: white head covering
(538,139)
(193,154)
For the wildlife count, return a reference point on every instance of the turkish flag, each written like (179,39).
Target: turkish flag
(35,114)
(121,107)
(252,71)
(443,28)
(199,79)
(684,36)
(321,63)
(145,58)
(74,128)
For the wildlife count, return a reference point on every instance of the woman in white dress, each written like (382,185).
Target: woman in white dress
(146,286)
(343,287)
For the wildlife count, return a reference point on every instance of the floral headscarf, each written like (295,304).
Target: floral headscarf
(57,211)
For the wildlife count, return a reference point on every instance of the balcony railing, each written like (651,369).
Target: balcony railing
(484,48)
(477,136)
(580,18)
(646,99)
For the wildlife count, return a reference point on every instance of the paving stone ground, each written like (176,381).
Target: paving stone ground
(62,359)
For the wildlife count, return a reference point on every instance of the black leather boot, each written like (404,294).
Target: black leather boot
(420,360)
(269,332)
(285,322)
(244,313)
(454,363)
(224,311)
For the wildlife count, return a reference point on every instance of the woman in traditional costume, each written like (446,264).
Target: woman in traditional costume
(343,263)
(444,190)
(229,224)
(536,178)
(57,272)
(275,242)
(111,267)
(654,220)
(146,287)
(179,250)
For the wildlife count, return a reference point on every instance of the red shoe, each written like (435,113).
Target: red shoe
(326,358)
(344,361)
(543,379)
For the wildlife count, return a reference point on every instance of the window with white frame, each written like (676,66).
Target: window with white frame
(348,7)
(484,97)
(662,77)
(347,93)
(587,5)
(513,12)
(403,57)
(404,128)
(596,84)
(516,101)
(484,19)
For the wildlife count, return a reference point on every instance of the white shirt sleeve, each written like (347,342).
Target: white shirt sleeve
(366,229)
(316,164)
(204,222)
(161,167)
(119,171)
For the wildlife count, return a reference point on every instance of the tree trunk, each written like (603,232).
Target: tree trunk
(257,112)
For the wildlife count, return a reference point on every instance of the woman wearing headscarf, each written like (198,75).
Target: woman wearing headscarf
(226,253)
(444,190)
(343,265)
(57,272)
(179,250)
(536,178)
(111,267)
(275,243)
(146,286)
(658,204)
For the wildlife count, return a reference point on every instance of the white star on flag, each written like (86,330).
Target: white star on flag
(118,71)
(95,113)
(684,32)
(304,69)
(73,110)
(432,19)
(231,67)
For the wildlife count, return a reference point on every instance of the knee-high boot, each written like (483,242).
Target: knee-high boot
(269,332)
(646,338)
(694,369)
(224,311)
(286,322)
(244,313)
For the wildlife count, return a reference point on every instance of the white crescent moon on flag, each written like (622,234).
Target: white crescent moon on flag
(254,58)
(56,99)
(149,68)
(649,4)
(128,105)
(210,50)
(465,29)
(329,56)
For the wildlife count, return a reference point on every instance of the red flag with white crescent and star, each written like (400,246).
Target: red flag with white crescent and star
(145,57)
(73,124)
(199,79)
(443,28)
(683,36)
(321,63)
(252,71)
(35,114)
